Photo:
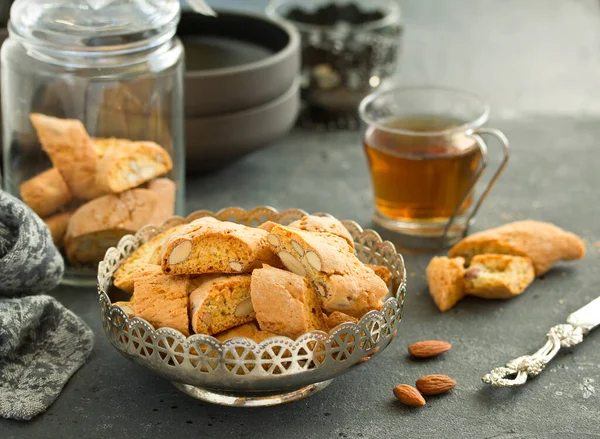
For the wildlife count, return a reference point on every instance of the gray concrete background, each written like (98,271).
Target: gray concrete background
(538,63)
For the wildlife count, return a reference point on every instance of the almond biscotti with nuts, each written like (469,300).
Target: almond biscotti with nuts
(207,245)
(382,271)
(71,151)
(285,303)
(220,303)
(147,253)
(100,223)
(324,224)
(161,299)
(544,243)
(249,330)
(343,282)
(445,277)
(498,276)
(129,164)
(46,192)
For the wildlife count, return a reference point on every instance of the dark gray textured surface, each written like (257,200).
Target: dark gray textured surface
(527,57)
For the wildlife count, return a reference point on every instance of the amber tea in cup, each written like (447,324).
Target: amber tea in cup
(425,156)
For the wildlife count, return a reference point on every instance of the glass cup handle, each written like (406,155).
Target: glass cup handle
(476,135)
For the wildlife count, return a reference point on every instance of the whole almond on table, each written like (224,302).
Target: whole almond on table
(435,384)
(409,396)
(428,348)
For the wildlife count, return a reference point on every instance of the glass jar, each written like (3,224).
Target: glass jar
(92,105)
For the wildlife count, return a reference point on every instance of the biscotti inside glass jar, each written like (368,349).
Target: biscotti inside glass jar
(93,120)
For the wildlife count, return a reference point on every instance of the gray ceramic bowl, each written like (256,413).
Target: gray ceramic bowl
(212,142)
(236,61)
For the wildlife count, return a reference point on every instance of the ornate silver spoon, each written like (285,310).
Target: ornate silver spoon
(516,372)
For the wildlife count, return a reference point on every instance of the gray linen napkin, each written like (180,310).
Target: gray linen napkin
(42,344)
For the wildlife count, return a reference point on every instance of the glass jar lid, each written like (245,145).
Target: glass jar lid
(92,25)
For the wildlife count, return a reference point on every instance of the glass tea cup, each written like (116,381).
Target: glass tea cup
(426,154)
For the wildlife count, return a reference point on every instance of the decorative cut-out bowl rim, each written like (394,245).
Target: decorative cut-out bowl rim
(119,327)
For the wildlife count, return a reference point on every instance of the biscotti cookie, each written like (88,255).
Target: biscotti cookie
(127,307)
(102,145)
(498,276)
(544,243)
(57,224)
(342,281)
(130,164)
(337,318)
(46,192)
(445,278)
(71,151)
(382,271)
(285,303)
(100,223)
(165,189)
(220,303)
(207,245)
(162,300)
(147,253)
(249,330)
(325,224)
(268,225)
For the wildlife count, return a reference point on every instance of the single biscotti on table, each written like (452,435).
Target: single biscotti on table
(207,245)
(337,318)
(544,243)
(166,190)
(343,282)
(161,299)
(100,223)
(325,224)
(498,276)
(249,330)
(220,303)
(129,164)
(285,303)
(445,278)
(71,151)
(57,224)
(46,192)
(147,253)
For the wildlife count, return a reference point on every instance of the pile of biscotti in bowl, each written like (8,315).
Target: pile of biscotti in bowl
(212,302)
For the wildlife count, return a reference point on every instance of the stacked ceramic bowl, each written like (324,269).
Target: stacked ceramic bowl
(241,85)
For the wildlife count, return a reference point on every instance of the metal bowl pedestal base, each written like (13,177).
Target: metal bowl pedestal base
(235,399)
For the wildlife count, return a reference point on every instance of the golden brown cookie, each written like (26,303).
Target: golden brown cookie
(162,300)
(71,151)
(100,223)
(337,318)
(57,224)
(127,307)
(544,243)
(249,330)
(498,276)
(166,190)
(445,280)
(324,224)
(285,303)
(130,164)
(207,245)
(220,303)
(46,192)
(342,281)
(382,271)
(147,253)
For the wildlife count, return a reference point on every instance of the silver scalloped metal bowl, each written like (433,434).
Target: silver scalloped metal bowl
(239,371)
